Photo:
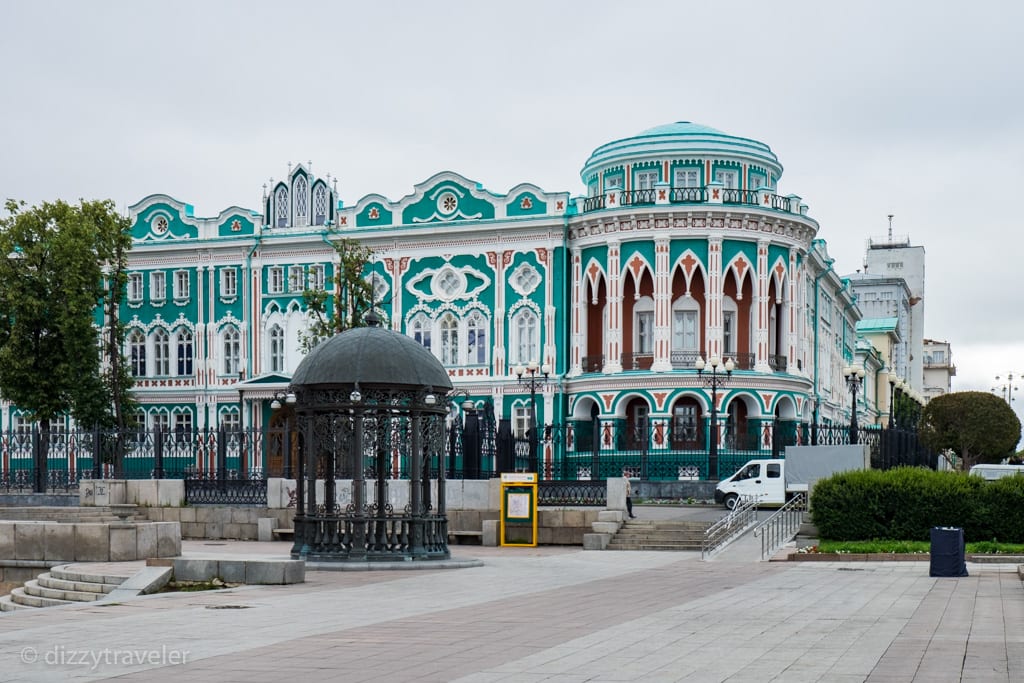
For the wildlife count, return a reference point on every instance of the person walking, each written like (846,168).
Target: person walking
(629,497)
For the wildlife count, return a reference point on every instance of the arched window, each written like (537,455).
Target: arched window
(137,353)
(419,329)
(301,193)
(161,353)
(281,207)
(232,349)
(476,339)
(319,204)
(525,345)
(276,349)
(184,352)
(685,325)
(449,327)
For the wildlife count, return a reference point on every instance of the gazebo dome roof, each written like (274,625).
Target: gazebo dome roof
(371,356)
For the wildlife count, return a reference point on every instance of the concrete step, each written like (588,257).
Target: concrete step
(21,597)
(64,574)
(8,605)
(48,581)
(679,547)
(34,589)
(659,535)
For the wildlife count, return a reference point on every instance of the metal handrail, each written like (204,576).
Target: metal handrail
(729,528)
(782,526)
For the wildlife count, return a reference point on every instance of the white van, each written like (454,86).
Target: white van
(996,471)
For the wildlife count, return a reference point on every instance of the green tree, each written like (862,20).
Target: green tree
(976,426)
(61,264)
(345,307)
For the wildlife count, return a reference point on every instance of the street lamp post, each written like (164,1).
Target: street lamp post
(533,376)
(717,376)
(1006,388)
(854,378)
(288,398)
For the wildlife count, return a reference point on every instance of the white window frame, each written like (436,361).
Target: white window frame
(729,330)
(448,328)
(643,325)
(137,352)
(231,344)
(321,199)
(275,345)
(158,286)
(161,352)
(729,177)
(275,280)
(686,313)
(296,278)
(645,180)
(476,339)
(613,182)
(520,421)
(182,285)
(316,277)
(135,289)
(229,281)
(686,174)
(525,331)
(185,352)
(420,329)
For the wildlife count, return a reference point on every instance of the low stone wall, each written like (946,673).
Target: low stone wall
(220,522)
(88,542)
(148,492)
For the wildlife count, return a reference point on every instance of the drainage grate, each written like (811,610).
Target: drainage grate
(228,606)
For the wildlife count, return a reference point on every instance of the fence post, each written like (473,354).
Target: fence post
(38,461)
(595,447)
(222,456)
(97,452)
(471,446)
(776,439)
(158,452)
(506,446)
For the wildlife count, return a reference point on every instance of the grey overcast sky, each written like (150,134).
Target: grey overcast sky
(873,108)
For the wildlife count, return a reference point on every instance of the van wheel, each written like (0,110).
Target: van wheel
(731,500)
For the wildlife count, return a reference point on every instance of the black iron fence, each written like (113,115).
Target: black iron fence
(223,466)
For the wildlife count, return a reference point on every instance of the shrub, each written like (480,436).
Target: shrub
(905,503)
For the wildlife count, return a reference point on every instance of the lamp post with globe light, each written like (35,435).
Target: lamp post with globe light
(714,374)
(534,376)
(854,379)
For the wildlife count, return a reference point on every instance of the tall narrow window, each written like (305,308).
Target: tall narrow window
(300,194)
(184,353)
(228,282)
(281,207)
(525,346)
(181,284)
(729,331)
(158,285)
(320,204)
(685,335)
(296,278)
(449,339)
(643,332)
(316,277)
(182,427)
(135,287)
(476,339)
(521,421)
(275,280)
(276,349)
(420,329)
(137,353)
(161,353)
(232,348)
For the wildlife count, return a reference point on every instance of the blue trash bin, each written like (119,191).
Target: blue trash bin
(947,552)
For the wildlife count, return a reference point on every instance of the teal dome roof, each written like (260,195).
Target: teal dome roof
(682,139)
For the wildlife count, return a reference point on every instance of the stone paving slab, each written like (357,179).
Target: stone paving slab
(550,614)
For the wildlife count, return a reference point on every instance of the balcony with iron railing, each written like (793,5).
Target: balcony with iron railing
(681,360)
(614,199)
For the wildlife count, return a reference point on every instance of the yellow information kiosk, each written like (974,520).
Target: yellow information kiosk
(519,509)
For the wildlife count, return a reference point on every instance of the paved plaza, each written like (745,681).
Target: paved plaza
(546,614)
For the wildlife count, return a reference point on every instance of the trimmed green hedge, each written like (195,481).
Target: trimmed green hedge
(905,503)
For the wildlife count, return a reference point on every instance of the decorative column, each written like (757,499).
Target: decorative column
(662,307)
(613,342)
(762,334)
(713,314)
(578,315)
(499,260)
(791,311)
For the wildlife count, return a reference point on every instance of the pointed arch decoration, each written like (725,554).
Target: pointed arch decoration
(689,265)
(740,269)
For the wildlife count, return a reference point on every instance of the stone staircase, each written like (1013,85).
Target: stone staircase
(68,514)
(643,534)
(60,586)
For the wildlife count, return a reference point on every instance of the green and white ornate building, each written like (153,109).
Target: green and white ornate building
(683,246)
